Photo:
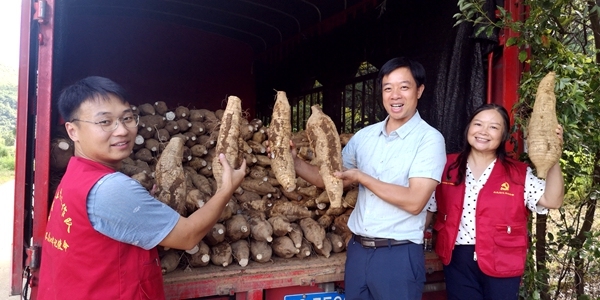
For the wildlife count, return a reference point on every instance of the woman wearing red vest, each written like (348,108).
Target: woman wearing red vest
(482,210)
(103,226)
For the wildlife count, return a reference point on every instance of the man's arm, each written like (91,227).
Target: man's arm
(189,231)
(411,199)
(427,165)
(307,171)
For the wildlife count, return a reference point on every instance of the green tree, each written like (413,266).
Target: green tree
(8,104)
(561,36)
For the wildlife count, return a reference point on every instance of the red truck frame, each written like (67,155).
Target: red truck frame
(34,119)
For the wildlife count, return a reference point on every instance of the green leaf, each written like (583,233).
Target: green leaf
(490,31)
(522,56)
(466,6)
(479,30)
(511,41)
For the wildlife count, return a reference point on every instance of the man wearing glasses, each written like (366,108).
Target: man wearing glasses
(103,226)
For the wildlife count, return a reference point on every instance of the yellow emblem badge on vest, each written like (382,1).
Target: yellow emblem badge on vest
(505,187)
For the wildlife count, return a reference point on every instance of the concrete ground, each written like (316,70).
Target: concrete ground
(6,232)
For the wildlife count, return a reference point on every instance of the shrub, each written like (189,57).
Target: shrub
(7,163)
(7,158)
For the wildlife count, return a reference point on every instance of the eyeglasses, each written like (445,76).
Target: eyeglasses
(109,125)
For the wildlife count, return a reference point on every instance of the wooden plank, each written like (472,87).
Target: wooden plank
(279,273)
(214,280)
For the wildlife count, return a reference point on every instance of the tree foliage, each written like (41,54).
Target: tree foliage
(8,105)
(561,36)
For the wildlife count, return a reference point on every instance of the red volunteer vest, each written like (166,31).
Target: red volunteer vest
(80,263)
(500,219)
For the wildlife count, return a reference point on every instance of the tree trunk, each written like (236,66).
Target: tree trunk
(591,201)
(540,253)
(579,279)
(585,228)
(595,24)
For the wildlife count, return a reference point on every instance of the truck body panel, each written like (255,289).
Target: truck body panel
(22,157)
(133,50)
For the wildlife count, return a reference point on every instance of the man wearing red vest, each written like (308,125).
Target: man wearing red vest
(482,213)
(103,226)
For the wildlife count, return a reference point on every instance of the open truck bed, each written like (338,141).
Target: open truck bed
(196,53)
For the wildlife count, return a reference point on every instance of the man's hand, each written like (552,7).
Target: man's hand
(293,149)
(154,190)
(349,177)
(231,178)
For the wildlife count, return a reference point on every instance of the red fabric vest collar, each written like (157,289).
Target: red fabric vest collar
(80,263)
(500,223)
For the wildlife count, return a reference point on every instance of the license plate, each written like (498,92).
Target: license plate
(316,296)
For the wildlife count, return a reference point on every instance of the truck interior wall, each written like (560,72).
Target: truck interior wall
(461,85)
(154,60)
(157,60)
(424,30)
(462,80)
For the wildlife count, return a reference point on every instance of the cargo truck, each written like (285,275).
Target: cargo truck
(196,53)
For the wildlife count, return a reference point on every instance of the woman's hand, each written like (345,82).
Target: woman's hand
(559,132)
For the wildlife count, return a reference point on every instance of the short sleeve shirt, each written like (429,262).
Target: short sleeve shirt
(414,150)
(120,208)
(534,189)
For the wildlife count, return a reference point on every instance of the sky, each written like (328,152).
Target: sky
(10,21)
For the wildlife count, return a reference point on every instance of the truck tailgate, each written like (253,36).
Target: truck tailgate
(215,280)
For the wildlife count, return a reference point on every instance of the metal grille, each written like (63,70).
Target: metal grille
(359,103)
(301,106)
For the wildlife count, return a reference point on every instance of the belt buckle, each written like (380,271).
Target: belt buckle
(370,243)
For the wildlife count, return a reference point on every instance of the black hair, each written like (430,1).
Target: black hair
(501,155)
(86,89)
(416,69)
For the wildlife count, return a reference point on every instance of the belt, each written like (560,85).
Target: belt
(376,242)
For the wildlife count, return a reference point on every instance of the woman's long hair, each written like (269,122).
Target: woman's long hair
(461,160)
